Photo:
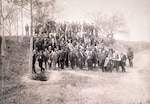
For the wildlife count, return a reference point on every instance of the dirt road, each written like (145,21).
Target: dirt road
(88,87)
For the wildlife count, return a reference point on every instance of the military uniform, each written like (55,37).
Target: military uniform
(117,62)
(72,59)
(54,59)
(62,59)
(123,62)
(80,59)
(40,59)
(90,61)
(130,56)
(33,62)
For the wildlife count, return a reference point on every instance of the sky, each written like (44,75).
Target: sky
(136,13)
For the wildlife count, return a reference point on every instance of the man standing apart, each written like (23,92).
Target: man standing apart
(130,56)
(27,30)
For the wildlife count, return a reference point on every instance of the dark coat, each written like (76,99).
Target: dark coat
(62,56)
(130,55)
(40,59)
(123,60)
(72,57)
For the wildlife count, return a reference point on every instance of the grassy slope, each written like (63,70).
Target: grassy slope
(124,45)
(14,65)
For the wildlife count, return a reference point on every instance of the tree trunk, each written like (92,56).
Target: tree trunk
(3,40)
(3,45)
(31,44)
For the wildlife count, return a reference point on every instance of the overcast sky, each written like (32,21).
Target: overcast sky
(136,13)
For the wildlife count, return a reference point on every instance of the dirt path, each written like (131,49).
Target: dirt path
(134,87)
(131,88)
(94,87)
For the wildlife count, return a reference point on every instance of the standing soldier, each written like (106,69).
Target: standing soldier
(89,60)
(99,57)
(130,56)
(92,29)
(40,59)
(72,59)
(54,58)
(49,59)
(53,44)
(102,60)
(94,54)
(45,58)
(36,30)
(66,56)
(117,61)
(62,58)
(106,63)
(34,61)
(27,30)
(123,62)
(80,59)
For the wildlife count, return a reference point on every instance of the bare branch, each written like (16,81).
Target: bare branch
(9,12)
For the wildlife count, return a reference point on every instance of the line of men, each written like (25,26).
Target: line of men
(58,50)
(67,28)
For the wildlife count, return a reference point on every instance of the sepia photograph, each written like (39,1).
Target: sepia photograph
(74,51)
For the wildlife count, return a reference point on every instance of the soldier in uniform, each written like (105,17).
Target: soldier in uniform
(45,45)
(49,59)
(62,59)
(106,63)
(45,58)
(34,61)
(80,59)
(72,59)
(130,56)
(36,30)
(40,59)
(54,58)
(66,56)
(89,60)
(117,61)
(53,44)
(27,29)
(123,62)
(38,44)
(102,60)
(94,53)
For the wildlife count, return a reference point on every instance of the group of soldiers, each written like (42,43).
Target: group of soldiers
(74,46)
(67,28)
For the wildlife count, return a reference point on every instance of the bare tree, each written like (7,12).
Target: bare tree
(11,14)
(109,25)
(20,4)
(11,18)
(8,18)
(44,10)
